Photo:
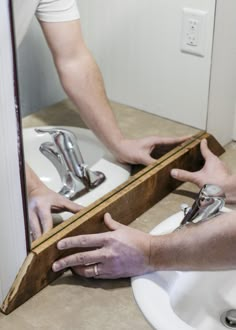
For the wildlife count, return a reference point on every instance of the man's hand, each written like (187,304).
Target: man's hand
(214,170)
(138,151)
(41,202)
(122,252)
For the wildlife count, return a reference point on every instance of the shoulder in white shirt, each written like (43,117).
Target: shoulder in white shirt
(45,10)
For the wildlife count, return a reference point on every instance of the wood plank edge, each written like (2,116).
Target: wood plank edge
(23,273)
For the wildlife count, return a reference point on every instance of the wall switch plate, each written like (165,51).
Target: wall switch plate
(194,29)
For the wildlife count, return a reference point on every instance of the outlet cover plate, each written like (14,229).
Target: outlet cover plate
(194,30)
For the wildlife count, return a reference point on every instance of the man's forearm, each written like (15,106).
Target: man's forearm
(210,245)
(81,79)
(83,83)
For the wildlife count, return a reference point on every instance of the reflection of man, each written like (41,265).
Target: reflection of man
(124,251)
(83,83)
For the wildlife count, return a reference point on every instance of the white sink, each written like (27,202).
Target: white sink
(95,156)
(184,300)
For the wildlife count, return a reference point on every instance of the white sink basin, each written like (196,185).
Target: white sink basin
(95,156)
(184,300)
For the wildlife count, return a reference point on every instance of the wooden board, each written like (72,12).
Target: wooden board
(125,204)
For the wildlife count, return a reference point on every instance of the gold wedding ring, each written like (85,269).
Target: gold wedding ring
(95,268)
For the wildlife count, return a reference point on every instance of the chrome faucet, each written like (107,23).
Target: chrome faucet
(209,202)
(64,153)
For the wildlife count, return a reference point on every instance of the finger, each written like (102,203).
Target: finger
(82,241)
(170,140)
(110,223)
(206,152)
(71,206)
(78,259)
(65,204)
(45,218)
(88,271)
(34,225)
(182,175)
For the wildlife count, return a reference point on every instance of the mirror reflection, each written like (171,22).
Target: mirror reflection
(148,98)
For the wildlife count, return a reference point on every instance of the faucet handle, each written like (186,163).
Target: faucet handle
(54,130)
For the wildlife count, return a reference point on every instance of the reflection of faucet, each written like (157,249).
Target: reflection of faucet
(64,153)
(209,202)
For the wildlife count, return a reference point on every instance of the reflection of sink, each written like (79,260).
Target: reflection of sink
(184,300)
(95,156)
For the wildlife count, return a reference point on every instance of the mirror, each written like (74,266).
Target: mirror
(155,86)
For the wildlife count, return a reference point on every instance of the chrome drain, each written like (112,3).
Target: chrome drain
(228,319)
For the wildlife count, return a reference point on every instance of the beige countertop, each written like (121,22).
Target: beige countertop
(88,304)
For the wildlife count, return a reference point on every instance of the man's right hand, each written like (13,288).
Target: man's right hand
(214,171)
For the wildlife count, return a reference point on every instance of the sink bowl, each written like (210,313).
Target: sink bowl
(184,300)
(95,155)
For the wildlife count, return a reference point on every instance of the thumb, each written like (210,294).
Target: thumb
(110,223)
(182,175)
(206,152)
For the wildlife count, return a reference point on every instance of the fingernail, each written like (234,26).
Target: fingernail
(61,245)
(55,267)
(174,173)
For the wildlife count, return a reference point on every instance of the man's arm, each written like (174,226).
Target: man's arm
(125,252)
(208,245)
(81,78)
(83,83)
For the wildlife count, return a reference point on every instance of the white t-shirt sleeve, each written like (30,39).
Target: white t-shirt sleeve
(57,10)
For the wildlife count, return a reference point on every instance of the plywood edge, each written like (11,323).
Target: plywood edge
(127,204)
(16,287)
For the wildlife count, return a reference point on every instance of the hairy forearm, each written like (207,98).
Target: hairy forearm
(210,245)
(83,83)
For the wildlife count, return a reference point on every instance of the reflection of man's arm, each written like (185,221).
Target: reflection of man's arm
(125,252)
(41,202)
(214,171)
(82,81)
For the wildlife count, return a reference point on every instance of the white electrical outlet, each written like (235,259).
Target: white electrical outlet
(193,39)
